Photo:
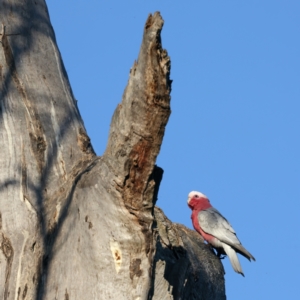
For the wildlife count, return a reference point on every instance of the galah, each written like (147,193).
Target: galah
(216,230)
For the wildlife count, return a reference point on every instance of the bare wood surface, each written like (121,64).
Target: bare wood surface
(74,225)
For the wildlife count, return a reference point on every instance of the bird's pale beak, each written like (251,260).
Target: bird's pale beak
(188,200)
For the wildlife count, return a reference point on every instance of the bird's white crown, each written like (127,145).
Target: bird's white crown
(193,193)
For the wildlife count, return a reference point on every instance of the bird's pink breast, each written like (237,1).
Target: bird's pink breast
(209,238)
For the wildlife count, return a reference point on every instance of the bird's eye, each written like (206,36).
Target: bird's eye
(196,196)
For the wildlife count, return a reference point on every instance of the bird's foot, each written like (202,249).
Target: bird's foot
(221,257)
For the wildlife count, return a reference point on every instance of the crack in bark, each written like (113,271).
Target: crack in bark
(24,173)
(25,291)
(66,295)
(84,142)
(134,268)
(8,252)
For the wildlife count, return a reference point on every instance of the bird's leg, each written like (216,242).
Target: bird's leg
(221,252)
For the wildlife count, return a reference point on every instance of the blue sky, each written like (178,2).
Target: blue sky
(234,129)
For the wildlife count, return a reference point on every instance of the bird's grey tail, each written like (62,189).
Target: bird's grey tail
(233,258)
(240,249)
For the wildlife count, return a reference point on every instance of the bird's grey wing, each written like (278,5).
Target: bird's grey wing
(212,222)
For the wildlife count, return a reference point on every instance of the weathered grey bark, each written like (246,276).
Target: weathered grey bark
(74,225)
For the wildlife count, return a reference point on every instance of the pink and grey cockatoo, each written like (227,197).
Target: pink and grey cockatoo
(216,230)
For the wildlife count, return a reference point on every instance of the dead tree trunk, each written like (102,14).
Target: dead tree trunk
(74,225)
